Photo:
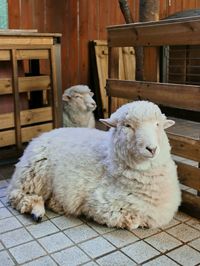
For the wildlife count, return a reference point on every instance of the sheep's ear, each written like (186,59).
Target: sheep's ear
(66,98)
(168,123)
(108,122)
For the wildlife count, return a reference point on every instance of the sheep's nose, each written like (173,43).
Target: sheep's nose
(151,150)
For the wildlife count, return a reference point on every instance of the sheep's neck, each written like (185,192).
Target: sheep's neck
(77,117)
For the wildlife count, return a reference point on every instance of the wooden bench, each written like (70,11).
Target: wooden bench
(185,137)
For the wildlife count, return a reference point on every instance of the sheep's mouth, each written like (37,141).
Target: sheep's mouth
(91,107)
(149,156)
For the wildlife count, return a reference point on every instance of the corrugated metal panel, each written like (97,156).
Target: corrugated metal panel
(3,14)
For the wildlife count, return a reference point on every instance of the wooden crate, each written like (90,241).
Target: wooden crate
(152,35)
(40,108)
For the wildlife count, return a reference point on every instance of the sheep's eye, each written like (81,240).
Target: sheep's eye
(157,124)
(127,125)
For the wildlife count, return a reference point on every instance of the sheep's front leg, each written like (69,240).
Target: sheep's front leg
(130,221)
(38,210)
(27,203)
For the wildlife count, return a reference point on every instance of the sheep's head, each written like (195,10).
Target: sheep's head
(80,97)
(138,130)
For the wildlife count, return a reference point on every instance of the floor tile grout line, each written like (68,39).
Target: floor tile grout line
(36,240)
(103,234)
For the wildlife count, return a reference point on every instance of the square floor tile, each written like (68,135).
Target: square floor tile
(140,251)
(16,237)
(185,256)
(64,222)
(97,247)
(161,261)
(80,233)
(172,223)
(195,244)
(5,213)
(184,232)
(13,211)
(183,217)
(71,256)
(27,252)
(120,238)
(3,184)
(55,242)
(5,202)
(5,259)
(3,192)
(9,224)
(42,229)
(115,259)
(194,223)
(51,214)
(163,242)
(44,261)
(143,233)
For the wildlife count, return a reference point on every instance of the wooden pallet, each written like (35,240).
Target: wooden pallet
(184,31)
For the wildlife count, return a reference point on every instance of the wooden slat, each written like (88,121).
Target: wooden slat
(185,147)
(189,175)
(26,84)
(11,40)
(101,53)
(32,54)
(4,55)
(172,95)
(158,22)
(155,34)
(27,117)
(7,138)
(190,204)
(31,132)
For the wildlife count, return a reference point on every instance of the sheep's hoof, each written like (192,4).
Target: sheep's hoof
(36,218)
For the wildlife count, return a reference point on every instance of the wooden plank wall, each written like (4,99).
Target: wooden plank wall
(79,21)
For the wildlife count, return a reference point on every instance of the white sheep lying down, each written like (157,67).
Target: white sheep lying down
(78,107)
(124,177)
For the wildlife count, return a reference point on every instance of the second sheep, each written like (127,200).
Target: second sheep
(78,107)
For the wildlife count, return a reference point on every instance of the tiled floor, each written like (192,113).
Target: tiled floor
(60,240)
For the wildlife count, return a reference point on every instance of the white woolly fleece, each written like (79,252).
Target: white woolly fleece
(100,174)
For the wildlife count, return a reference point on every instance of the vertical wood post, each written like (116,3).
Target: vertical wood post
(138,50)
(56,96)
(113,70)
(58,71)
(16,99)
(149,11)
